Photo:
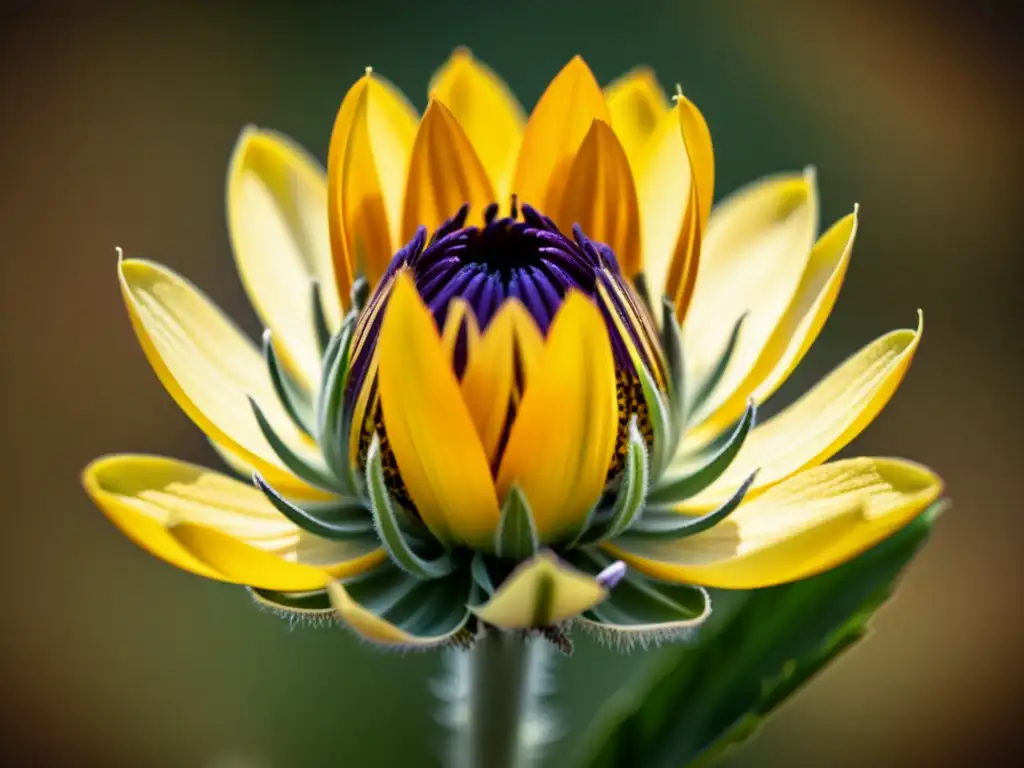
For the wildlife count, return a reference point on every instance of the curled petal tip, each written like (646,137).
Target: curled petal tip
(612,575)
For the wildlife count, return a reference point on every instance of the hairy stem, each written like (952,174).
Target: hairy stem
(499,683)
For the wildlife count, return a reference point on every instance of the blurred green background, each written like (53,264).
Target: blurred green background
(116,127)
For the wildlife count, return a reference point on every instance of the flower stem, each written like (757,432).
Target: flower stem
(499,682)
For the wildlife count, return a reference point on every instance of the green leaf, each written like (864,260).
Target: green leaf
(673,489)
(705,389)
(672,348)
(704,699)
(667,523)
(307,467)
(389,529)
(344,519)
(516,537)
(294,399)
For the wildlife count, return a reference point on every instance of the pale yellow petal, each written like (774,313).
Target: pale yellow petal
(554,134)
(561,443)
(277,219)
(210,368)
(429,429)
(487,111)
(218,527)
(813,521)
(444,174)
(665,186)
(371,144)
(116,493)
(752,259)
(540,592)
(290,564)
(489,377)
(637,104)
(811,304)
(822,422)
(600,196)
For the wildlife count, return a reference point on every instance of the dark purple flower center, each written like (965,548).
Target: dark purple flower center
(528,259)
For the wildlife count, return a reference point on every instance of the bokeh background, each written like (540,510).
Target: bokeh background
(115,128)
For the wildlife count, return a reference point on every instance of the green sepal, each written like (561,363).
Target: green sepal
(672,349)
(293,398)
(320,325)
(629,499)
(703,391)
(640,610)
(665,523)
(360,293)
(671,490)
(389,529)
(481,575)
(332,431)
(344,519)
(643,290)
(314,605)
(305,467)
(516,536)
(703,700)
(435,608)
(660,453)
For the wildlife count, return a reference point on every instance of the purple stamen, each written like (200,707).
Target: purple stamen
(612,575)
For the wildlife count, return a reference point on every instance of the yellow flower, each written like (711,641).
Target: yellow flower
(472,403)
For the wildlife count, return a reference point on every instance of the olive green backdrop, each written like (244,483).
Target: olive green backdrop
(115,128)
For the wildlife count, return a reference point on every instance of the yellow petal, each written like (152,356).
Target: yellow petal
(815,296)
(822,422)
(529,343)
(366,172)
(700,153)
(601,198)
(429,429)
(540,592)
(683,269)
(664,187)
(752,259)
(561,444)
(554,134)
(209,367)
(293,563)
(217,527)
(277,218)
(813,521)
(637,104)
(115,492)
(460,316)
(489,377)
(487,112)
(444,173)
